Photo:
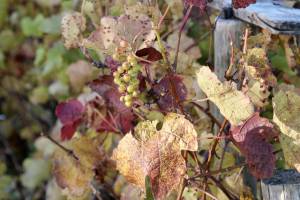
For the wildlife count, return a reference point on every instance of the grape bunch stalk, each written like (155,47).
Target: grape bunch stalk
(126,77)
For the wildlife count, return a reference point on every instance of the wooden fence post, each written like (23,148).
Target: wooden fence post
(226,30)
(284,185)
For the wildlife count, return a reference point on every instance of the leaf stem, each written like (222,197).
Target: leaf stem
(68,151)
(185,19)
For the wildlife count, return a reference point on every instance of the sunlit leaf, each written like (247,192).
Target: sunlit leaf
(233,104)
(157,154)
(286,105)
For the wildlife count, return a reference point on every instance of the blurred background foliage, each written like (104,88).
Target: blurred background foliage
(37,72)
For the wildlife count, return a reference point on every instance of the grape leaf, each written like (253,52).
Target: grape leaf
(118,116)
(252,139)
(233,104)
(36,171)
(286,105)
(167,89)
(72,25)
(134,29)
(79,74)
(157,154)
(70,113)
(73,175)
(151,53)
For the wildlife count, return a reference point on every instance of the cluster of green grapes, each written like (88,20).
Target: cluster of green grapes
(126,77)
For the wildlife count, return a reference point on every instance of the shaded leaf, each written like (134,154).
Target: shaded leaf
(70,113)
(118,116)
(233,104)
(252,139)
(167,89)
(151,54)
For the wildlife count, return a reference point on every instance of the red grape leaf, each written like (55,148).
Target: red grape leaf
(242,3)
(252,138)
(118,116)
(70,114)
(151,53)
(167,89)
(70,111)
(67,131)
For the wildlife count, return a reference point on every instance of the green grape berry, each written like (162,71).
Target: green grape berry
(135,94)
(131,59)
(128,98)
(120,70)
(126,78)
(125,65)
(117,80)
(122,88)
(122,99)
(116,56)
(131,88)
(128,103)
(116,74)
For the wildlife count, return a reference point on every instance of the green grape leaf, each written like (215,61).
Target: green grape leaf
(36,171)
(233,104)
(286,105)
(32,27)
(155,149)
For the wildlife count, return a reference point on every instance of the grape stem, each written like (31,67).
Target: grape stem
(185,19)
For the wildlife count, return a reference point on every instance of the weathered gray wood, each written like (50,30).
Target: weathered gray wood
(266,14)
(226,30)
(275,18)
(284,185)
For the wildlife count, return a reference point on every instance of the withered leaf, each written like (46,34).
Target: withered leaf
(157,154)
(252,138)
(73,175)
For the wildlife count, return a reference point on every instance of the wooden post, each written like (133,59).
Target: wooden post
(284,185)
(226,30)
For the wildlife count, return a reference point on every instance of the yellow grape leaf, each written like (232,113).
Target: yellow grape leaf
(286,105)
(157,154)
(72,175)
(72,25)
(233,104)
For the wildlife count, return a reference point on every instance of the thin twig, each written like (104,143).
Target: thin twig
(208,113)
(185,19)
(68,151)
